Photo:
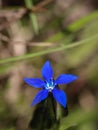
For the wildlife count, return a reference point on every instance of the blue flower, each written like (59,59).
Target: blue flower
(49,85)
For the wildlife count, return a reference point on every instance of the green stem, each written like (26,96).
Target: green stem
(29,4)
(40,53)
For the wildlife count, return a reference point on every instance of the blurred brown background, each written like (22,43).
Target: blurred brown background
(62,31)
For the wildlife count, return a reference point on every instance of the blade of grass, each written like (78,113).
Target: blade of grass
(29,4)
(78,117)
(56,37)
(40,53)
(82,21)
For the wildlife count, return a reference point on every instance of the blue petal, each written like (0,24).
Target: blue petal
(66,78)
(60,96)
(47,71)
(35,82)
(41,95)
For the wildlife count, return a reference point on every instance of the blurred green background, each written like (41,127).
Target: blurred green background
(65,32)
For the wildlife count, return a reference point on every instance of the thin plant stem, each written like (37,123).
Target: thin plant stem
(40,53)
(29,4)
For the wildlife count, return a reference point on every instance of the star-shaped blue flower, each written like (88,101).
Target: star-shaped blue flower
(49,85)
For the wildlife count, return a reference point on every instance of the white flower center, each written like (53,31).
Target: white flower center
(49,85)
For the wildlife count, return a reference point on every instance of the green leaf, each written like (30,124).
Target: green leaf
(29,4)
(78,117)
(82,53)
(81,22)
